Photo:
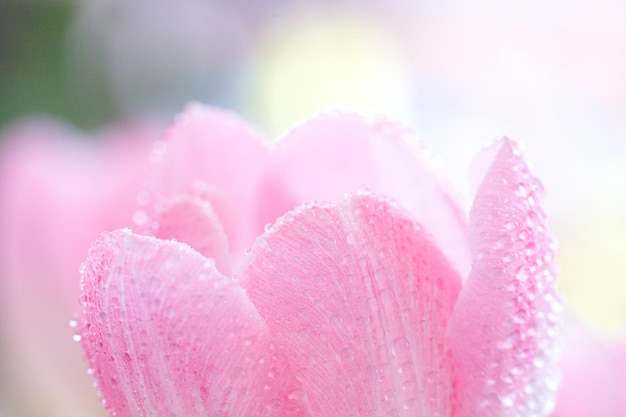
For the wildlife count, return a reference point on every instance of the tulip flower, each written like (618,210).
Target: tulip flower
(381,302)
(58,191)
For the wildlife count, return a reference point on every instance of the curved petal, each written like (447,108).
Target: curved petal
(358,298)
(593,375)
(214,147)
(166,334)
(503,330)
(192,220)
(336,153)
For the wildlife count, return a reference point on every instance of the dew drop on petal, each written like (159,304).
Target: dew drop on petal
(347,355)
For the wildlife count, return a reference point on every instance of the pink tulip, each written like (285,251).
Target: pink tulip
(362,306)
(58,191)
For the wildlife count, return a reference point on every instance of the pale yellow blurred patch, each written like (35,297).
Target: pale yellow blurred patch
(592,258)
(310,61)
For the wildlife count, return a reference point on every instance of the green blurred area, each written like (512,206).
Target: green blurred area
(33,76)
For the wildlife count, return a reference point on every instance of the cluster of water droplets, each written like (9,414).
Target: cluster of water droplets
(526,380)
(389,314)
(151,353)
(412,304)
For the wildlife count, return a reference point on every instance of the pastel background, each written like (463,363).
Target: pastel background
(550,74)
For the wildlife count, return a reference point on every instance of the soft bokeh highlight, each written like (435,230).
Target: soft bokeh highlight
(58,191)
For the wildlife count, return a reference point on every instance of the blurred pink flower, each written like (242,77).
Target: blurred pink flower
(356,307)
(593,374)
(58,191)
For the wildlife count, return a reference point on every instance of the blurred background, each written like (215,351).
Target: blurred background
(550,74)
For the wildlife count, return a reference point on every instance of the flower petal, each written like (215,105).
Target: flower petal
(192,220)
(216,148)
(166,334)
(593,374)
(502,333)
(358,298)
(56,185)
(339,152)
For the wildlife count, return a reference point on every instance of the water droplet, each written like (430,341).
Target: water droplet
(336,321)
(522,275)
(509,226)
(409,386)
(386,296)
(347,355)
(301,374)
(389,396)
(320,279)
(296,395)
(204,275)
(557,307)
(411,403)
(538,363)
(400,346)
(274,404)
(73,324)
(158,149)
(221,283)
(510,341)
(508,400)
(524,189)
(140,218)
(531,249)
(238,373)
(407,369)
(76,338)
(143,198)
(521,316)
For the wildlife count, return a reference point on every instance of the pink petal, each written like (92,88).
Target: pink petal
(192,220)
(213,148)
(358,298)
(503,330)
(166,334)
(337,153)
(593,375)
(56,186)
